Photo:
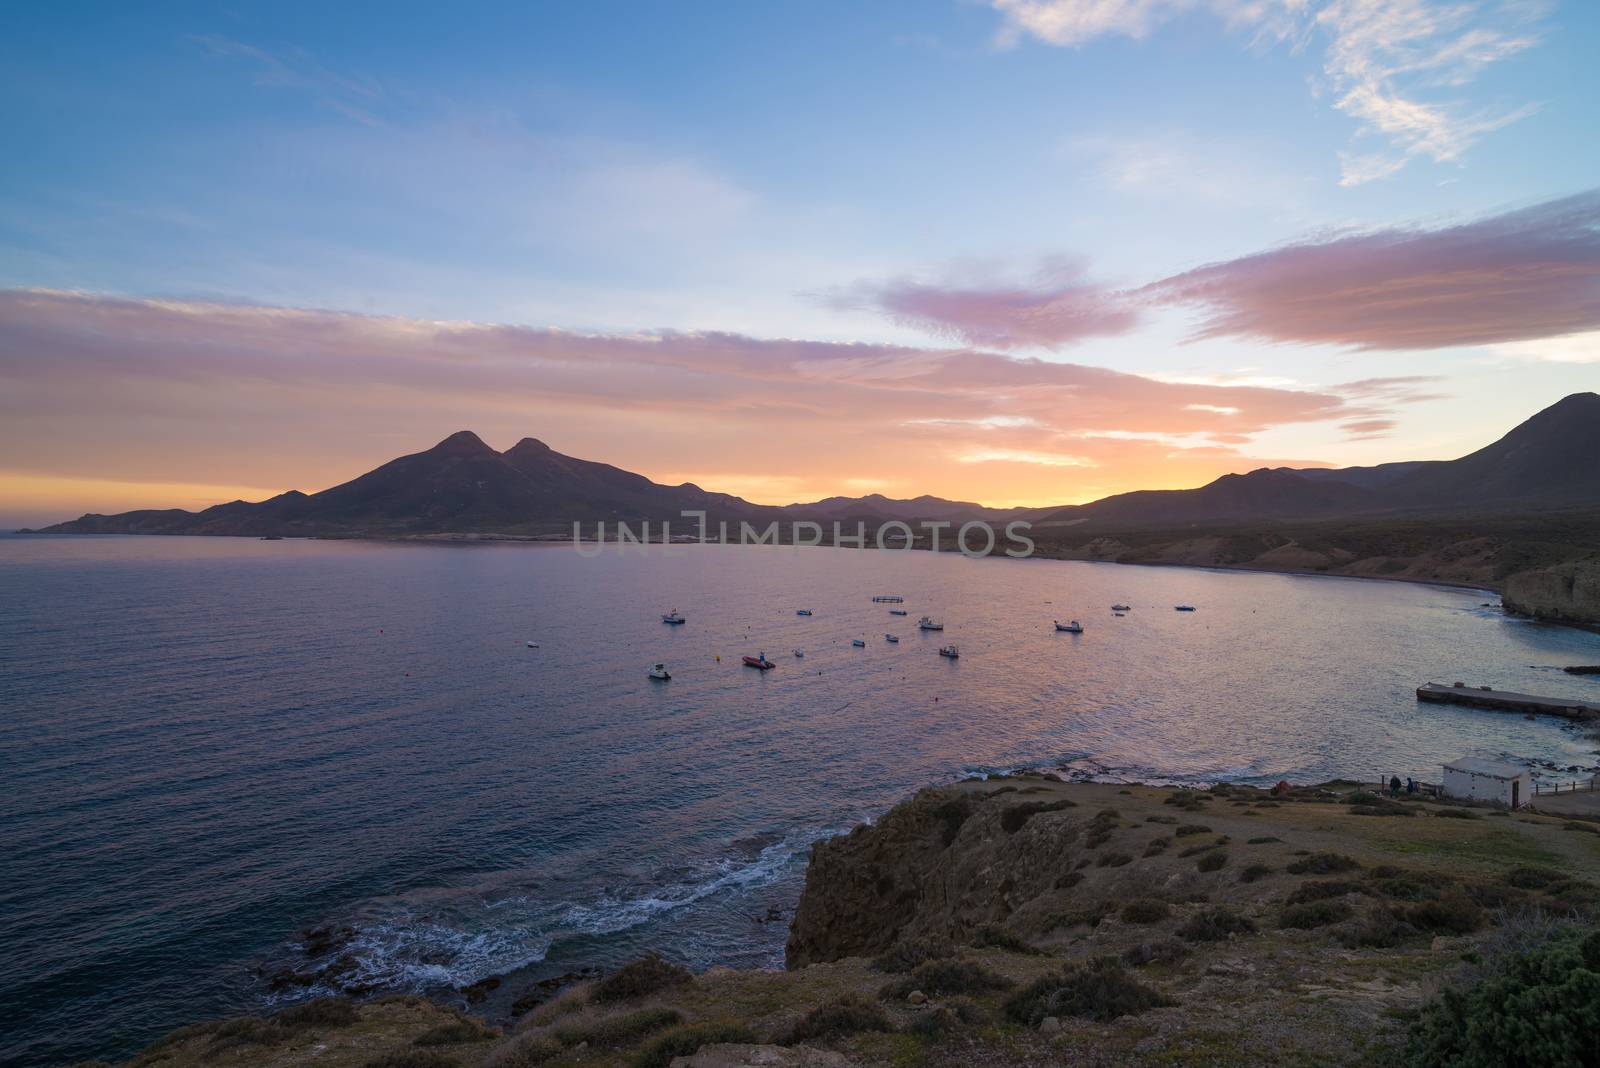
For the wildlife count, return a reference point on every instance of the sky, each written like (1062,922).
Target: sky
(1022,252)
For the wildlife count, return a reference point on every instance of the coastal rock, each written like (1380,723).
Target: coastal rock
(1567,593)
(739,1055)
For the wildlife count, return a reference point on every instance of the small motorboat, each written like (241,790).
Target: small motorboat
(890,638)
(802,611)
(1120,608)
(1183,608)
(799,652)
(887,599)
(760,662)
(673,617)
(897,611)
(1120,615)
(659,671)
(950,651)
(929,623)
(533,645)
(859,643)
(1074,627)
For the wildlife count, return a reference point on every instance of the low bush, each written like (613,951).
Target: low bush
(952,814)
(1084,915)
(1451,913)
(1383,808)
(636,979)
(1533,878)
(1215,925)
(1161,819)
(1145,910)
(461,1030)
(1323,864)
(907,953)
(1311,914)
(1112,859)
(1318,889)
(1168,951)
(1254,872)
(1157,846)
(1379,929)
(622,1030)
(526,1053)
(685,1041)
(1016,817)
(1069,880)
(1196,850)
(847,1015)
(1100,991)
(938,977)
(1403,884)
(412,1058)
(1456,814)
(993,936)
(1183,830)
(1538,1007)
(1212,861)
(323,1012)
(1263,840)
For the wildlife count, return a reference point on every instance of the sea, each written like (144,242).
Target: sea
(209,746)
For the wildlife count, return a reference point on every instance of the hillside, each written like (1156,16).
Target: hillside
(1026,921)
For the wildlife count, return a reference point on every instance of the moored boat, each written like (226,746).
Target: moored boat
(1074,627)
(897,611)
(533,645)
(949,651)
(886,599)
(802,611)
(759,661)
(659,671)
(859,643)
(929,623)
(890,638)
(673,617)
(799,652)
(1120,608)
(1183,608)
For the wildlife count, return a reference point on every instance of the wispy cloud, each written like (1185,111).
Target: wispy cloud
(1397,67)
(1058,307)
(1525,274)
(353,96)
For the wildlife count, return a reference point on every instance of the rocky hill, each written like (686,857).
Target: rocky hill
(1026,921)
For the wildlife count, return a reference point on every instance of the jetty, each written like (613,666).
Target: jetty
(1506,701)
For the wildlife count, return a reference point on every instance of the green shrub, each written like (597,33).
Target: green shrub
(1212,861)
(1451,913)
(1540,1007)
(1265,839)
(1318,889)
(907,953)
(1161,819)
(1145,910)
(1383,808)
(1323,864)
(1314,914)
(1183,830)
(455,1032)
(685,1041)
(847,1015)
(1534,878)
(1254,872)
(413,1058)
(636,979)
(622,1030)
(938,977)
(1157,846)
(1215,925)
(951,814)
(526,1053)
(1100,991)
(1168,951)
(247,1031)
(323,1012)
(1379,929)
(1083,915)
(1456,814)
(1016,817)
(1112,859)
(993,936)
(1403,884)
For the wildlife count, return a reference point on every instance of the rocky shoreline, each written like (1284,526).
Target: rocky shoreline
(1025,920)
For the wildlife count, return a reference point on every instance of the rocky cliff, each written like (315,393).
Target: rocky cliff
(1567,593)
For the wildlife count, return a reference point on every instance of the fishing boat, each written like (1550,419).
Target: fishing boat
(673,617)
(929,623)
(891,638)
(802,611)
(950,651)
(886,599)
(1120,608)
(760,662)
(859,643)
(1074,627)
(1183,608)
(659,671)
(897,611)
(799,652)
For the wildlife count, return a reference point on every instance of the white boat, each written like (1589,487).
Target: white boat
(659,671)
(929,623)
(799,652)
(673,617)
(533,645)
(1183,608)
(859,643)
(1120,608)
(950,651)
(890,638)
(1073,627)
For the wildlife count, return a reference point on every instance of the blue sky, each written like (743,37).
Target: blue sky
(767,169)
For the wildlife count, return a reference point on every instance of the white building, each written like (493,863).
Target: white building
(1488,780)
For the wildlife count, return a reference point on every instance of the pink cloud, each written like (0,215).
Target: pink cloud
(1524,274)
(1060,307)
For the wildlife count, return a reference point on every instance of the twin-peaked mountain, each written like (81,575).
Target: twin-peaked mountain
(461,485)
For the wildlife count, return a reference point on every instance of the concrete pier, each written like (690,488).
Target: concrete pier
(1506,701)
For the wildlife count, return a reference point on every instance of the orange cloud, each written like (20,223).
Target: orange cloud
(197,393)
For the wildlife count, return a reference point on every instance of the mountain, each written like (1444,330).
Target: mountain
(461,485)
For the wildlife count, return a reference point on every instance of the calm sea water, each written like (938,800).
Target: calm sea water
(210,744)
